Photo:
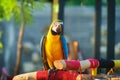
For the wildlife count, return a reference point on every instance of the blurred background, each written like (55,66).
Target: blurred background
(93,24)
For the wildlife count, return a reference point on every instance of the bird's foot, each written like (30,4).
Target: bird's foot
(53,72)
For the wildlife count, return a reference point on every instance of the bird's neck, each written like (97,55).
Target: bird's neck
(50,36)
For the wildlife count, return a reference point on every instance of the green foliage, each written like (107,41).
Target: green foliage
(87,2)
(7,7)
(73,2)
(117,2)
(12,8)
(1,45)
(29,7)
(80,2)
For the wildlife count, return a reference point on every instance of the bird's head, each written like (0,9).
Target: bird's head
(57,28)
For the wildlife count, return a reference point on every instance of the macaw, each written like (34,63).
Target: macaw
(53,46)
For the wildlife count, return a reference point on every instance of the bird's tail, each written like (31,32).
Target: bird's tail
(45,64)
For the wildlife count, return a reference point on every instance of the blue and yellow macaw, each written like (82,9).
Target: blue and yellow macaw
(53,46)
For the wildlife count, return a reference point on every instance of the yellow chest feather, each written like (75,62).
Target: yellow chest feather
(54,49)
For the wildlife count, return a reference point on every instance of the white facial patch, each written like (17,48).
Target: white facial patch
(56,25)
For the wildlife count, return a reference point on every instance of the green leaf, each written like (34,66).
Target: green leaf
(12,8)
(7,8)
(1,45)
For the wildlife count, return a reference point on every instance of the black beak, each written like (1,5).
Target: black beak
(58,30)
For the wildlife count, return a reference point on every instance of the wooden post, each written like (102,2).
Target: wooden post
(97,30)
(58,9)
(110,29)
(73,50)
(61,9)
(61,12)
(55,10)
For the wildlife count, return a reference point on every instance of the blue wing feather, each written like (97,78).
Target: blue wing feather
(42,52)
(42,45)
(65,46)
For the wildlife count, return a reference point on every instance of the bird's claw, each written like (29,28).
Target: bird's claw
(54,71)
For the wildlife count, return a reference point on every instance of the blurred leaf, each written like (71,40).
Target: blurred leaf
(1,13)
(38,5)
(12,8)
(117,2)
(79,2)
(1,45)
(7,8)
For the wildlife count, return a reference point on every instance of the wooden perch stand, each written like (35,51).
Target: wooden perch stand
(59,75)
(76,64)
(64,72)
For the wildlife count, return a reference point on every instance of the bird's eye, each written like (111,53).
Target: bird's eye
(55,24)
